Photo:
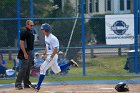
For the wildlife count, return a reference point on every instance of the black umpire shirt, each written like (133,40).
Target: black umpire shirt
(28,37)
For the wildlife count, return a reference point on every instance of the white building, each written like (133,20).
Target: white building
(93,7)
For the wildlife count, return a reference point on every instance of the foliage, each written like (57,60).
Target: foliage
(42,9)
(3,36)
(8,9)
(63,29)
(97,24)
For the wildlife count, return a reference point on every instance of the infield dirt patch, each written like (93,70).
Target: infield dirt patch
(83,88)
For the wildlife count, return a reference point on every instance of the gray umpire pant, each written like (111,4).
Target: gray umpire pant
(24,72)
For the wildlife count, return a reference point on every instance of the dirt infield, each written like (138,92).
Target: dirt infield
(83,88)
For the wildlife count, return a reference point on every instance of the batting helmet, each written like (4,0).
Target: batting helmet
(122,87)
(46,27)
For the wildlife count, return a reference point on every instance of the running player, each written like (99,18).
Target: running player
(52,47)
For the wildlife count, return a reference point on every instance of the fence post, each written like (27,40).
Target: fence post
(83,38)
(92,53)
(136,15)
(9,53)
(119,51)
(31,9)
(91,50)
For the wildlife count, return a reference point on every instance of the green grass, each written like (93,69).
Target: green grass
(9,62)
(98,65)
(103,66)
(107,65)
(96,69)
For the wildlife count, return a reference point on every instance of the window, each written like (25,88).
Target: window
(108,5)
(90,6)
(85,6)
(97,5)
(128,4)
(121,5)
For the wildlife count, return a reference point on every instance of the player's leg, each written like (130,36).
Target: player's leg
(74,63)
(65,67)
(42,74)
(55,67)
(43,68)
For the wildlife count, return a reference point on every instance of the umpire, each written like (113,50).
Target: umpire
(26,56)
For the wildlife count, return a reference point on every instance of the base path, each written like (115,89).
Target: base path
(79,88)
(85,86)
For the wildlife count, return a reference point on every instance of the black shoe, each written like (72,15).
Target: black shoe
(37,89)
(32,86)
(18,87)
(74,63)
(27,86)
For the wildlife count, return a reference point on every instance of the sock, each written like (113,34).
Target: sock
(41,78)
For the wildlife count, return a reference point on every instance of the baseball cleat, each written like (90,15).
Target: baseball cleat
(37,89)
(32,86)
(18,87)
(27,86)
(74,63)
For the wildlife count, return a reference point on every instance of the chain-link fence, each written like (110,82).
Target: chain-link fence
(82,34)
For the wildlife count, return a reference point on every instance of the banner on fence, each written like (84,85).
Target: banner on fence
(119,29)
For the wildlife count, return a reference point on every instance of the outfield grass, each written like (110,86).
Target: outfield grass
(103,65)
(96,69)
(98,65)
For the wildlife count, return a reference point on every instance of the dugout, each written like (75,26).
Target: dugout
(131,61)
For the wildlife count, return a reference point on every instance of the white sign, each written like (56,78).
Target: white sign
(119,29)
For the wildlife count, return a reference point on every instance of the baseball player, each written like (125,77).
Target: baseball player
(52,47)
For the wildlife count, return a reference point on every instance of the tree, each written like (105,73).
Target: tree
(8,28)
(42,9)
(98,27)
(63,28)
(3,37)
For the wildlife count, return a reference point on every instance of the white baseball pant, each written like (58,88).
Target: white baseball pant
(52,64)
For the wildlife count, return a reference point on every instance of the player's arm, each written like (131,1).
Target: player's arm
(54,52)
(55,44)
(45,52)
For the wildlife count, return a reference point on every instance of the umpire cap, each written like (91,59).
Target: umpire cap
(46,27)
